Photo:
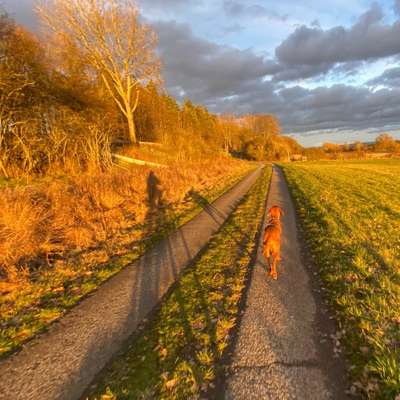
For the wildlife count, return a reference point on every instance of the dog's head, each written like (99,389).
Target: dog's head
(275,212)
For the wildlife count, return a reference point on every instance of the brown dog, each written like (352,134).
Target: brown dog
(272,239)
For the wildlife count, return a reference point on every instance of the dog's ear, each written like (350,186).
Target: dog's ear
(281,211)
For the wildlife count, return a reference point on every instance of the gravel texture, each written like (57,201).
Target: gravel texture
(62,362)
(283,348)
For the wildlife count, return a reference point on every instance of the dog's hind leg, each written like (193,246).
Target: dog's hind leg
(275,260)
(267,256)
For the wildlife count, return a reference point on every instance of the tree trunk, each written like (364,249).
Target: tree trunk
(131,126)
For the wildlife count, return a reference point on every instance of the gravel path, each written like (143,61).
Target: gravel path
(283,348)
(61,363)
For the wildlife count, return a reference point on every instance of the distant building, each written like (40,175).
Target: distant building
(298,157)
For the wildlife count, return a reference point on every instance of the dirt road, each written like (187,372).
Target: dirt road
(283,348)
(61,363)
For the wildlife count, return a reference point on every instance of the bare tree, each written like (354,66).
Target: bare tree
(112,40)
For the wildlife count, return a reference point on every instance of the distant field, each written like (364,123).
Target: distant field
(350,212)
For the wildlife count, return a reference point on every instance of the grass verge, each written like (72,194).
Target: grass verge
(350,214)
(177,355)
(27,309)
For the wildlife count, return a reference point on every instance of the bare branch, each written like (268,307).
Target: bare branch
(112,40)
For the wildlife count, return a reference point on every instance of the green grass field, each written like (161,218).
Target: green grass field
(178,355)
(350,214)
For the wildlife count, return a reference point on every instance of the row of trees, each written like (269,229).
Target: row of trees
(384,145)
(160,118)
(95,81)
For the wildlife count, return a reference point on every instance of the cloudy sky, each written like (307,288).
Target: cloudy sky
(329,70)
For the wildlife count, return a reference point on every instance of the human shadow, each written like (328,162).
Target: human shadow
(154,192)
(158,263)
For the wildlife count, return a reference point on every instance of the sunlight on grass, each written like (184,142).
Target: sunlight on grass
(350,212)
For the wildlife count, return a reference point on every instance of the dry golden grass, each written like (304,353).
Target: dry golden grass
(77,212)
(60,238)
